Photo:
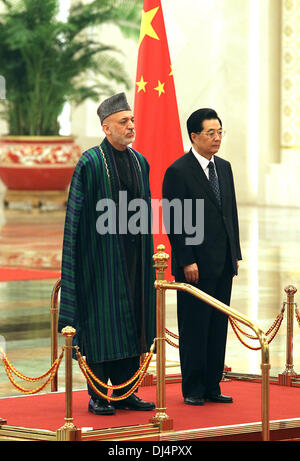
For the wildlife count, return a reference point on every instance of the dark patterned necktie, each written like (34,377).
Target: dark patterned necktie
(214,181)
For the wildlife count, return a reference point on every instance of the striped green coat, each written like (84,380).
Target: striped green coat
(94,282)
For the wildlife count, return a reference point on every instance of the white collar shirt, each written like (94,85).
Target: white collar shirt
(204,162)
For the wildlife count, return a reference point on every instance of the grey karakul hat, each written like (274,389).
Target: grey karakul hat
(116,103)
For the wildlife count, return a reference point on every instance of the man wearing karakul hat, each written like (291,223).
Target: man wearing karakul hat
(107,281)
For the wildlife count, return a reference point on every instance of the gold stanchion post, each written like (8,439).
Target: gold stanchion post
(68,432)
(161,418)
(54,333)
(289,372)
(265,391)
(2,421)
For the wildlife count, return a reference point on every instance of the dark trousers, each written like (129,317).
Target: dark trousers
(120,371)
(202,335)
(117,371)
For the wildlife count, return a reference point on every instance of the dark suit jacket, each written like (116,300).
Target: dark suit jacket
(185,179)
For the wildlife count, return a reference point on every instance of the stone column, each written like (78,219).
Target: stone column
(282,181)
(290,81)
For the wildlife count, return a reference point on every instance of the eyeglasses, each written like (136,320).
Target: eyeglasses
(212,133)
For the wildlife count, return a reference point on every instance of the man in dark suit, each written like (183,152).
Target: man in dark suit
(209,264)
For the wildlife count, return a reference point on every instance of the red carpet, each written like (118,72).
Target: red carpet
(47,411)
(9,274)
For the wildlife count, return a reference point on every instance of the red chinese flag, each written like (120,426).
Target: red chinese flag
(158,132)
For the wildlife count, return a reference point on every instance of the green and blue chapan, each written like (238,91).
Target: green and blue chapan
(95,295)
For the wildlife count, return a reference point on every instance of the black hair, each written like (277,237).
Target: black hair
(195,121)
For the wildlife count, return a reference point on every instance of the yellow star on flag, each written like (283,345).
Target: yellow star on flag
(146,26)
(142,85)
(171,71)
(160,88)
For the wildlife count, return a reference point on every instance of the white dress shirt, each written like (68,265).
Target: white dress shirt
(204,162)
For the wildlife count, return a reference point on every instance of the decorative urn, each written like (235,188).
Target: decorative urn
(38,163)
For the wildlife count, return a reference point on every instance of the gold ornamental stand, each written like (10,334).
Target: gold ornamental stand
(161,286)
(54,329)
(160,263)
(289,373)
(68,432)
(160,427)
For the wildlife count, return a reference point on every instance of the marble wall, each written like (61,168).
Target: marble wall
(282,181)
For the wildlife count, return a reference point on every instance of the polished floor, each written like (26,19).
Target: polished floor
(32,239)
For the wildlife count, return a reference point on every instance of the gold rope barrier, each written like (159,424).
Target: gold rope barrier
(276,325)
(297,316)
(171,343)
(285,378)
(236,328)
(173,335)
(161,286)
(10,370)
(137,377)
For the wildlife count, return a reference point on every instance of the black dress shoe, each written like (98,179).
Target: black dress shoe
(220,398)
(101,407)
(133,402)
(194,401)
